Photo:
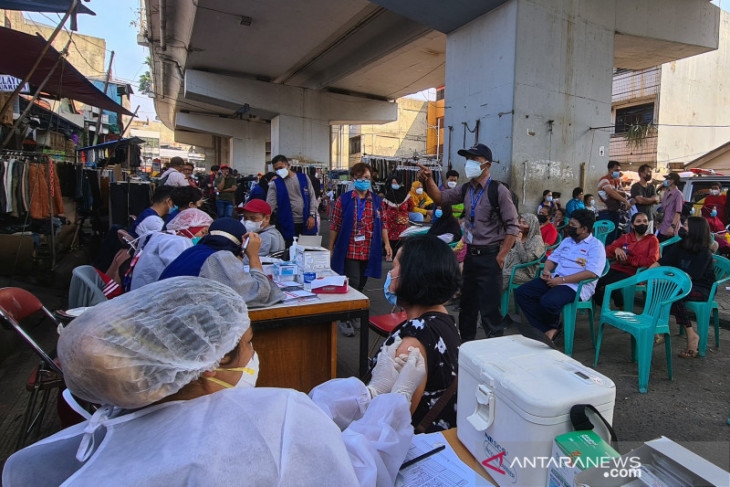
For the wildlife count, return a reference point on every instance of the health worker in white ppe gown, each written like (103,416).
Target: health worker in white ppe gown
(175,376)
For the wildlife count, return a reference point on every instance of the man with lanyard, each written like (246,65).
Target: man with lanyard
(489,235)
(644,194)
(292,198)
(357,235)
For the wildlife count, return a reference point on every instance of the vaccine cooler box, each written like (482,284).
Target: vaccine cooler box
(514,398)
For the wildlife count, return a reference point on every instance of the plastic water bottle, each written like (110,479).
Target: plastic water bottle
(293,252)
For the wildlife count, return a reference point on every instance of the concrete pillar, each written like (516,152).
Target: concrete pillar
(532,78)
(306,139)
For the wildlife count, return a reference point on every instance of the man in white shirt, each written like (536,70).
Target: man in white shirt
(580,257)
(173,176)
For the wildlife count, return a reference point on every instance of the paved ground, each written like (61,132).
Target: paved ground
(692,409)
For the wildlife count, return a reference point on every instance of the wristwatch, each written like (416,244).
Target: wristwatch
(563,279)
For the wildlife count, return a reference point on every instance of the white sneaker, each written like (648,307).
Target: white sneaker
(346,328)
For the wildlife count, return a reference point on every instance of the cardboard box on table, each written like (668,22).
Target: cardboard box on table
(515,396)
(574,453)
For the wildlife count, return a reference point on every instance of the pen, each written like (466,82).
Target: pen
(245,244)
(422,457)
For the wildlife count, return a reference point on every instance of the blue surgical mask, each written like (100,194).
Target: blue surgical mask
(438,213)
(362,184)
(173,209)
(195,240)
(615,174)
(395,186)
(390,296)
(666,183)
(713,213)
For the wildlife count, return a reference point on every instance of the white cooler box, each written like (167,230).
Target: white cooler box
(515,396)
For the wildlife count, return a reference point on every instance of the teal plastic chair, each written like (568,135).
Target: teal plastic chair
(664,286)
(667,243)
(570,313)
(555,245)
(703,309)
(601,229)
(511,286)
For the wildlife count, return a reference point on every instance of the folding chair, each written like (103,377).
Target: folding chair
(16,305)
(383,326)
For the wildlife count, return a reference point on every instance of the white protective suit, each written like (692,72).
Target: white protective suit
(159,251)
(260,436)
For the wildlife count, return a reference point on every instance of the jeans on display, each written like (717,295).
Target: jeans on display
(481,293)
(542,304)
(225,208)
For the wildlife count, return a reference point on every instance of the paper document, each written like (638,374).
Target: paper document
(298,294)
(328,281)
(444,469)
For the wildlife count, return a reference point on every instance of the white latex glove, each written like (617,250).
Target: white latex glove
(412,374)
(385,372)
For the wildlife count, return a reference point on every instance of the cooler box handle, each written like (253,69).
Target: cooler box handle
(483,416)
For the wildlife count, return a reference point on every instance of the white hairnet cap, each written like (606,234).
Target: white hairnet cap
(147,344)
(192,217)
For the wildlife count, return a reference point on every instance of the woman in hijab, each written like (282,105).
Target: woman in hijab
(175,377)
(396,205)
(421,203)
(444,223)
(528,247)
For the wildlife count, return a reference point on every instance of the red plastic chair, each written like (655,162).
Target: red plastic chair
(15,306)
(383,325)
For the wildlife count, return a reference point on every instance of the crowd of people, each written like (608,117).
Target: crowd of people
(205,273)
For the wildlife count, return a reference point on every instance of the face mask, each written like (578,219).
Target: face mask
(419,190)
(472,169)
(648,177)
(395,186)
(451,184)
(249,374)
(252,226)
(666,183)
(195,240)
(438,213)
(362,184)
(282,173)
(390,296)
(174,208)
(713,213)
(557,200)
(682,232)
(548,199)
(542,219)
(615,174)
(715,192)
(590,203)
(692,212)
(641,229)
(573,233)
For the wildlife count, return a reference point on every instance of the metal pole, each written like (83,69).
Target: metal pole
(15,93)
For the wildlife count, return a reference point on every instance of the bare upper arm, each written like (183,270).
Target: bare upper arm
(403,349)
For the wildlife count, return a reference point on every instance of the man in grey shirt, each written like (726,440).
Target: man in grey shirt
(490,232)
(291,196)
(644,195)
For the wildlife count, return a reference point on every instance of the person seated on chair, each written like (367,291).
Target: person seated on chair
(444,224)
(188,227)
(184,197)
(424,276)
(151,219)
(692,255)
(590,203)
(632,250)
(422,203)
(257,219)
(547,229)
(717,201)
(187,387)
(218,257)
(560,221)
(580,256)
(528,247)
(576,203)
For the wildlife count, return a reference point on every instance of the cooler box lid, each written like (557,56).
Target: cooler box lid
(541,383)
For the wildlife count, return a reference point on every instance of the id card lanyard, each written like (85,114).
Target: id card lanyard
(475,201)
(360,235)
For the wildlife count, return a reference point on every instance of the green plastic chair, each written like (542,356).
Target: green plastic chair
(555,245)
(664,286)
(601,229)
(667,243)
(570,313)
(511,286)
(703,309)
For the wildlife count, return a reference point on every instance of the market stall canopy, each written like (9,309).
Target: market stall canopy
(57,6)
(65,82)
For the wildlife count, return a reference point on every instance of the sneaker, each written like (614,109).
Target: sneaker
(346,329)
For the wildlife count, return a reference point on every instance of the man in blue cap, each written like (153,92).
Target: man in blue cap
(490,219)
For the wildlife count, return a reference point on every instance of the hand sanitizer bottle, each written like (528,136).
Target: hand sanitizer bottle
(293,252)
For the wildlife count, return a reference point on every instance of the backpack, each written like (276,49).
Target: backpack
(492,194)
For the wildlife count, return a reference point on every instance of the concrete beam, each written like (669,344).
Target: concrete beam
(331,108)
(194,138)
(222,126)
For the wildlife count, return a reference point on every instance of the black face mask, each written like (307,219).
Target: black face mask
(641,229)
(573,232)
(542,219)
(682,232)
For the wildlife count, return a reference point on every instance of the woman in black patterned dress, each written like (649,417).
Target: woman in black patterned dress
(425,275)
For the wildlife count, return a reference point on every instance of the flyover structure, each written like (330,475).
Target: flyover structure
(530,78)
